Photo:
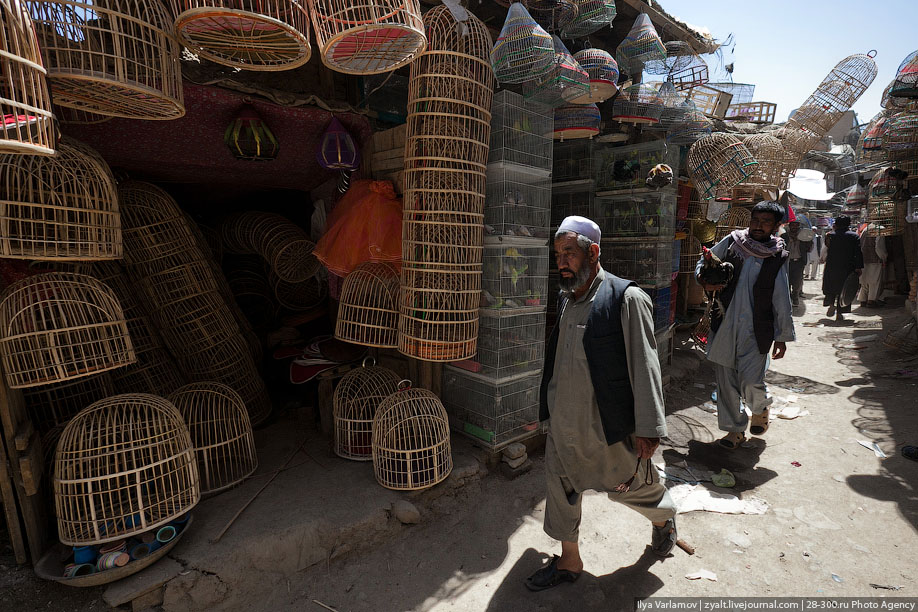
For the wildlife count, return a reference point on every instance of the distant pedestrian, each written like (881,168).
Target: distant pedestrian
(797,258)
(873,250)
(843,256)
(812,266)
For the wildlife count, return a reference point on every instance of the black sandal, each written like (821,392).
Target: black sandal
(550,576)
(664,538)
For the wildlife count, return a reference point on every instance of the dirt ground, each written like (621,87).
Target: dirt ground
(840,521)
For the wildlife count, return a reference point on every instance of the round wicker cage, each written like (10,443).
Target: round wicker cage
(221,434)
(248,34)
(735,218)
(197,322)
(111,57)
(472,40)
(905,85)
(356,399)
(575,121)
(564,81)
(641,46)
(59,207)
(719,161)
(523,51)
(302,296)
(74,116)
(592,16)
(51,406)
(123,466)
(602,71)
(688,257)
(837,93)
(869,146)
(368,36)
(368,307)
(284,245)
(441,141)
(679,57)
(884,184)
(768,151)
(25,104)
(444,238)
(411,442)
(900,139)
(59,326)
(693,126)
(248,282)
(638,104)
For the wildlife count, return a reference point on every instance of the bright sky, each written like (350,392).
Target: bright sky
(786,47)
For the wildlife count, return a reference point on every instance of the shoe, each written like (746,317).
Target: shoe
(550,576)
(759,423)
(664,538)
(831,311)
(732,440)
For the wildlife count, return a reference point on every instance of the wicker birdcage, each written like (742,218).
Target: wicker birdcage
(368,36)
(679,57)
(74,116)
(124,465)
(284,245)
(302,295)
(592,16)
(411,441)
(870,143)
(577,121)
(251,290)
(59,207)
(736,218)
(689,255)
(51,406)
(693,126)
(25,105)
(884,184)
(438,140)
(638,104)
(602,71)
(356,400)
(900,138)
(59,326)
(444,238)
(719,161)
(248,34)
(155,371)
(886,216)
(641,46)
(767,150)
(111,57)
(221,434)
(524,50)
(368,307)
(905,85)
(564,81)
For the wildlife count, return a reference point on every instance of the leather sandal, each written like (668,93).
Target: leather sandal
(550,576)
(759,423)
(732,440)
(664,538)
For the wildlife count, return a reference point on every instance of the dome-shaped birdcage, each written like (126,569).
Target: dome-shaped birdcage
(885,184)
(221,434)
(564,81)
(719,161)
(592,16)
(640,46)
(25,105)
(768,152)
(553,15)
(735,218)
(248,34)
(368,309)
(856,196)
(357,398)
(693,126)
(51,406)
(602,70)
(156,371)
(59,207)
(577,121)
(905,85)
(368,36)
(111,57)
(689,255)
(679,57)
(870,144)
(524,50)
(59,326)
(302,295)
(638,104)
(411,443)
(124,465)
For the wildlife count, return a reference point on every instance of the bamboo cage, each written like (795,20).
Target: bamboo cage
(459,190)
(735,218)
(869,146)
(156,371)
(900,139)
(368,36)
(564,81)
(638,104)
(58,207)
(762,113)
(769,154)
(695,75)
(197,322)
(886,216)
(693,126)
(688,257)
(591,16)
(905,85)
(25,104)
(248,282)
(884,185)
(285,246)
(357,398)
(444,238)
(51,406)
(180,282)
(59,326)
(411,442)
(708,100)
(221,434)
(523,51)
(602,71)
(124,465)
(111,57)
(302,296)
(74,116)
(895,104)
(441,141)
(247,34)
(719,161)
(368,307)
(641,46)
(575,121)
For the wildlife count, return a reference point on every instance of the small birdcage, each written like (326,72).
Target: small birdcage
(221,434)
(768,152)
(736,218)
(357,398)
(905,84)
(836,94)
(679,57)
(693,126)
(124,465)
(564,81)
(411,443)
(577,121)
(762,113)
(111,57)
(59,326)
(602,70)
(59,207)
(592,16)
(641,46)
(689,256)
(719,161)
(524,50)
(514,274)
(638,104)
(900,140)
(368,307)
(51,406)
(302,295)
(25,105)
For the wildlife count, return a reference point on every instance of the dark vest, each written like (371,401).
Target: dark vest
(763,314)
(604,345)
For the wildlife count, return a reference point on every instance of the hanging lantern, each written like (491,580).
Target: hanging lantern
(249,138)
(338,152)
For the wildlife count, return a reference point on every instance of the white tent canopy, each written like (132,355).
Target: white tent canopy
(809,185)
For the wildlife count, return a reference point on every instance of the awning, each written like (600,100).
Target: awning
(809,185)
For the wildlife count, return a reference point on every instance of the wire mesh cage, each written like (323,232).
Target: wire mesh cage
(885,184)
(662,306)
(411,443)
(510,342)
(124,465)
(905,84)
(368,308)
(900,138)
(571,199)
(592,16)
(524,50)
(837,93)
(647,263)
(742,93)
(735,218)
(575,121)
(51,406)
(248,34)
(636,215)
(638,104)
(25,104)
(515,274)
(285,246)
(719,161)
(625,167)
(357,398)
(679,57)
(221,434)
(59,326)
(518,201)
(768,152)
(675,106)
(62,206)
(111,57)
(572,160)
(641,46)
(688,257)
(563,81)
(602,71)
(521,131)
(693,126)
(553,15)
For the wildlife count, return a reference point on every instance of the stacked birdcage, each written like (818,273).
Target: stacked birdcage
(563,81)
(691,127)
(638,104)
(870,144)
(900,142)
(762,113)
(719,161)
(768,152)
(735,218)
(641,46)
(602,70)
(887,203)
(521,133)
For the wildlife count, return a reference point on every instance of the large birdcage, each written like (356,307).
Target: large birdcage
(693,126)
(524,50)
(886,216)
(518,201)
(553,15)
(368,307)
(592,16)
(521,132)
(768,152)
(870,144)
(856,197)
(25,105)
(124,465)
(640,46)
(719,161)
(650,215)
(155,370)
(905,85)
(111,57)
(514,274)
(638,104)
(511,342)
(837,93)
(735,218)
(577,121)
(649,264)
(357,398)
(564,80)
(602,70)
(900,140)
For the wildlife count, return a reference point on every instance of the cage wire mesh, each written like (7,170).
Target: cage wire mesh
(518,202)
(693,126)
(368,309)
(155,370)
(521,132)
(553,15)
(602,71)
(563,81)
(675,106)
(638,104)
(523,50)
(640,46)
(592,16)
(299,296)
(689,255)
(577,121)
(870,144)
(51,406)
(905,84)
(357,398)
(900,140)
(719,161)
(679,57)
(742,92)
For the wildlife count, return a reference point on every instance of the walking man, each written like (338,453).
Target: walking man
(751,312)
(797,260)
(602,390)
(843,256)
(873,252)
(812,267)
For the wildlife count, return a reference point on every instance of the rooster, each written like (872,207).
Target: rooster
(714,272)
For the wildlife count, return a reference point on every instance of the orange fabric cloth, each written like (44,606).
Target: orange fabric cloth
(365,225)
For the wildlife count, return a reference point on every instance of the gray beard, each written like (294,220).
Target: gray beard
(577,281)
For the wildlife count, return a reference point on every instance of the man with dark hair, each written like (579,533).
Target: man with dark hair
(751,311)
(602,390)
(843,256)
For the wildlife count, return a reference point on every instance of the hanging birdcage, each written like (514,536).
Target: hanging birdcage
(577,121)
(768,153)
(249,138)
(693,126)
(675,106)
(357,398)
(719,161)
(603,74)
(562,83)
(900,140)
(553,15)
(693,75)
(905,85)
(885,184)
(640,46)
(368,309)
(524,50)
(679,57)
(638,104)
(592,16)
